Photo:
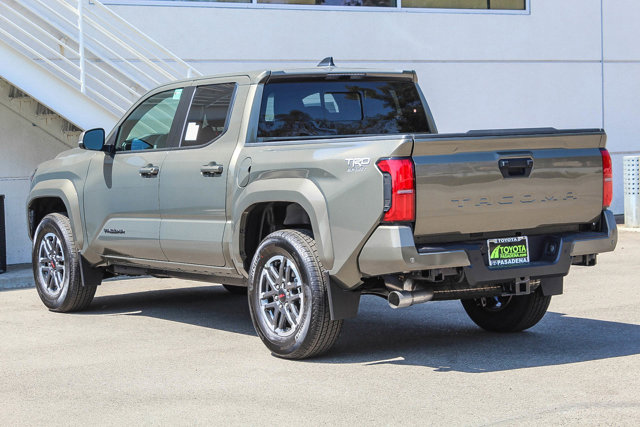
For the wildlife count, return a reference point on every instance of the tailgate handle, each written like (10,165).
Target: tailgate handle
(516,168)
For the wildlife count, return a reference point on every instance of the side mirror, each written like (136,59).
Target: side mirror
(92,140)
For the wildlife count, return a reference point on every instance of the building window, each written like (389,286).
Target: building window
(404,4)
(467,4)
(370,3)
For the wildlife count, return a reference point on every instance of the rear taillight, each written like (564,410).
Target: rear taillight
(399,191)
(607,178)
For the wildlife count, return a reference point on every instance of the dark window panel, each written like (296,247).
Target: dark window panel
(337,108)
(208,114)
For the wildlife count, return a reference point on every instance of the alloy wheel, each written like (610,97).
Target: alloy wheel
(52,267)
(281,295)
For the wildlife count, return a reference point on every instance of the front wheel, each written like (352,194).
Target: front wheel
(56,267)
(288,297)
(509,313)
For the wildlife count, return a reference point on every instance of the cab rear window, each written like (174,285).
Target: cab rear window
(340,108)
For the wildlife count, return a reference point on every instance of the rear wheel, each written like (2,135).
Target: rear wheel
(56,267)
(288,297)
(507,314)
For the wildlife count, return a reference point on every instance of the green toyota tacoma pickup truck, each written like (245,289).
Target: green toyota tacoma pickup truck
(309,188)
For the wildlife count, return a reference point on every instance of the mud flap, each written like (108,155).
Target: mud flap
(552,286)
(87,273)
(342,304)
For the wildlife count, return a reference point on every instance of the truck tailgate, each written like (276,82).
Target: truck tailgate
(507,180)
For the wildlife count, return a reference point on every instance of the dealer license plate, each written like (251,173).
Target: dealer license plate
(508,251)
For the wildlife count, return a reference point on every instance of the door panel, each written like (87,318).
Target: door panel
(122,210)
(193,208)
(121,206)
(194,181)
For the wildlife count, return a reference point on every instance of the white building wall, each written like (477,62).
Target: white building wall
(621,84)
(478,70)
(545,67)
(24,145)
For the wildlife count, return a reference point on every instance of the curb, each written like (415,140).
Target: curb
(631,229)
(18,276)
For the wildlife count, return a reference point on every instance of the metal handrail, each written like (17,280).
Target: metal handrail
(167,52)
(37,54)
(119,82)
(42,30)
(104,73)
(90,47)
(132,42)
(38,41)
(123,44)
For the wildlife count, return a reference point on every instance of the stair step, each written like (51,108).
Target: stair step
(15,93)
(32,110)
(70,127)
(41,110)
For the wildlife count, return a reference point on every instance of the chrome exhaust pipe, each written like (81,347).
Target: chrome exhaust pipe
(402,299)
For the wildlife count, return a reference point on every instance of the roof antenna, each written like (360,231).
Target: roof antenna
(327,62)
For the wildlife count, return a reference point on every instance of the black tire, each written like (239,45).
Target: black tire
(61,288)
(305,295)
(235,289)
(507,314)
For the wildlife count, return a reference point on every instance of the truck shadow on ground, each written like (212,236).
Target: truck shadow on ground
(439,336)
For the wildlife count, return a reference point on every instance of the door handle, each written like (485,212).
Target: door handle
(149,170)
(212,169)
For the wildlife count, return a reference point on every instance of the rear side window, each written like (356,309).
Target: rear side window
(339,108)
(208,114)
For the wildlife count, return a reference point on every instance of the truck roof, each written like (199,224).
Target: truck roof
(259,76)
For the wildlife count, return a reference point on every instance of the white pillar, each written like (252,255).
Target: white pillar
(632,191)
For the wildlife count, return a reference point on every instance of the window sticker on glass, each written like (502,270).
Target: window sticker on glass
(312,100)
(269,115)
(330,103)
(192,131)
(177,93)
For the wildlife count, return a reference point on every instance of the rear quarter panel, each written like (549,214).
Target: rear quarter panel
(344,201)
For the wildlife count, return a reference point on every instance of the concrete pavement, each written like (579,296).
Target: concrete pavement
(164,351)
(17,276)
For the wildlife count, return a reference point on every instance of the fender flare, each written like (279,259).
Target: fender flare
(64,190)
(294,190)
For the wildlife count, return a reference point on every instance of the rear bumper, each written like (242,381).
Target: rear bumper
(391,249)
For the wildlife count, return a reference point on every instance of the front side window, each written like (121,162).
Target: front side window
(208,114)
(149,125)
(337,108)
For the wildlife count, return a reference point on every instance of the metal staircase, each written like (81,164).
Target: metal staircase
(39,115)
(80,59)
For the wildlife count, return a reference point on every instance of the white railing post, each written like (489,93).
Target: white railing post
(81,45)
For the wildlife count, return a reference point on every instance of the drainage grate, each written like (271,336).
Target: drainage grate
(632,191)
